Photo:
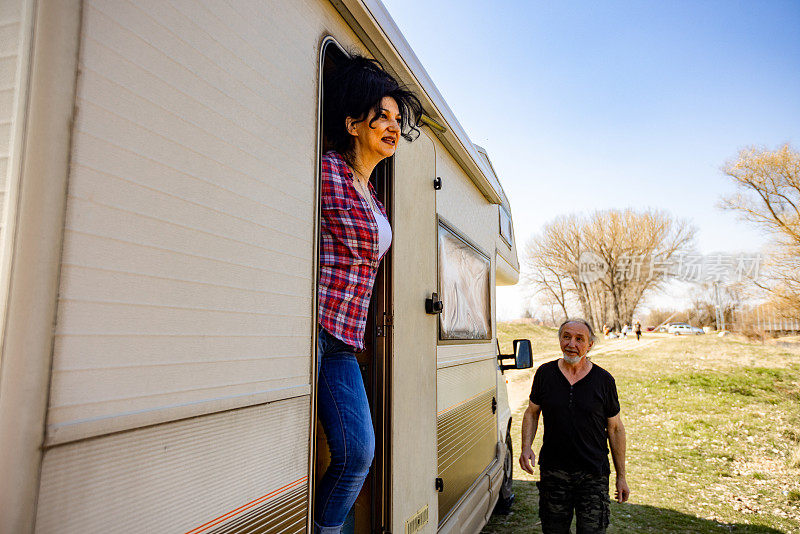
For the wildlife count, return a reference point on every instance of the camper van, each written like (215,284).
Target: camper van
(160,223)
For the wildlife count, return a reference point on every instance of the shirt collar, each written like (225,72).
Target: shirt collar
(342,165)
(344,168)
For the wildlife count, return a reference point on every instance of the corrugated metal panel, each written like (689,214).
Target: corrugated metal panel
(466,445)
(449,355)
(11,12)
(466,427)
(187,281)
(456,385)
(283,514)
(188,475)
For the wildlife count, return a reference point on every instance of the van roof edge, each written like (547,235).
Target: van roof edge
(375,26)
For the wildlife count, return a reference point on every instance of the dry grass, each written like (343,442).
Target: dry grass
(795,462)
(713,439)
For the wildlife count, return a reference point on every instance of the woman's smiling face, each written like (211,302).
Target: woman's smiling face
(376,137)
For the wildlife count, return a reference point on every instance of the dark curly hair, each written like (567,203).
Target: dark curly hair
(355,86)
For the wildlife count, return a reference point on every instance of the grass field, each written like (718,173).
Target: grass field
(713,429)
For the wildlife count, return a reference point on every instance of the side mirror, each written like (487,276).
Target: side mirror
(523,356)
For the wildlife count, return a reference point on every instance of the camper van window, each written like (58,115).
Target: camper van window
(505,226)
(464,278)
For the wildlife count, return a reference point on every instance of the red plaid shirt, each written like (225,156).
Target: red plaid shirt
(348,260)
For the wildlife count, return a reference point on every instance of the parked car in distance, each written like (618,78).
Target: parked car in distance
(684,329)
(665,327)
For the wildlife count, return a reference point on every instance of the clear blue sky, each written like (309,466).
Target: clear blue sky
(592,105)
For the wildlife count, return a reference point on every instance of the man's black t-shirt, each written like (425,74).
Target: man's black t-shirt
(575,418)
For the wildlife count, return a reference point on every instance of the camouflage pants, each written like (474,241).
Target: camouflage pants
(561,493)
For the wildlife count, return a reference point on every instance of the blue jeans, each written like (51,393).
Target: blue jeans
(343,410)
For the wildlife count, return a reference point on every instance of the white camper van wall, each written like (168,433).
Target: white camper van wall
(464,274)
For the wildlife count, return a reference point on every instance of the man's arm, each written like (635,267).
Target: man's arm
(530,423)
(616,441)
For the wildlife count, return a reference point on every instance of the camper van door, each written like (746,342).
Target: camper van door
(414,498)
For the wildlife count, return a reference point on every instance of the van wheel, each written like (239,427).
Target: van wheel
(506,499)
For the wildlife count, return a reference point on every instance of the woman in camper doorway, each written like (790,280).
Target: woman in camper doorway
(366,111)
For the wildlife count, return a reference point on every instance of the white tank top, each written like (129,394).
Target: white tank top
(384,232)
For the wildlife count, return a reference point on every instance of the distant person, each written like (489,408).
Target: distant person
(625,330)
(606,330)
(578,400)
(638,330)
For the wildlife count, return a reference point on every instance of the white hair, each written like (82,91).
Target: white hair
(578,320)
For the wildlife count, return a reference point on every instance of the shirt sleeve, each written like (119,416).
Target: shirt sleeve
(333,195)
(536,388)
(611,402)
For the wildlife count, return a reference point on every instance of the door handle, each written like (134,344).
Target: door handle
(433,305)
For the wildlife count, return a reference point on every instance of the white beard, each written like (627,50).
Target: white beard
(572,360)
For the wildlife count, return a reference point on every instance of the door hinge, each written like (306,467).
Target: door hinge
(439,485)
(437,183)
(386,321)
(494,404)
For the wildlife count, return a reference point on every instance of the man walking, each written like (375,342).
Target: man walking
(580,408)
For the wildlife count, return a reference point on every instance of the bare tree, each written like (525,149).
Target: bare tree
(659,315)
(633,245)
(547,259)
(629,243)
(783,269)
(768,194)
